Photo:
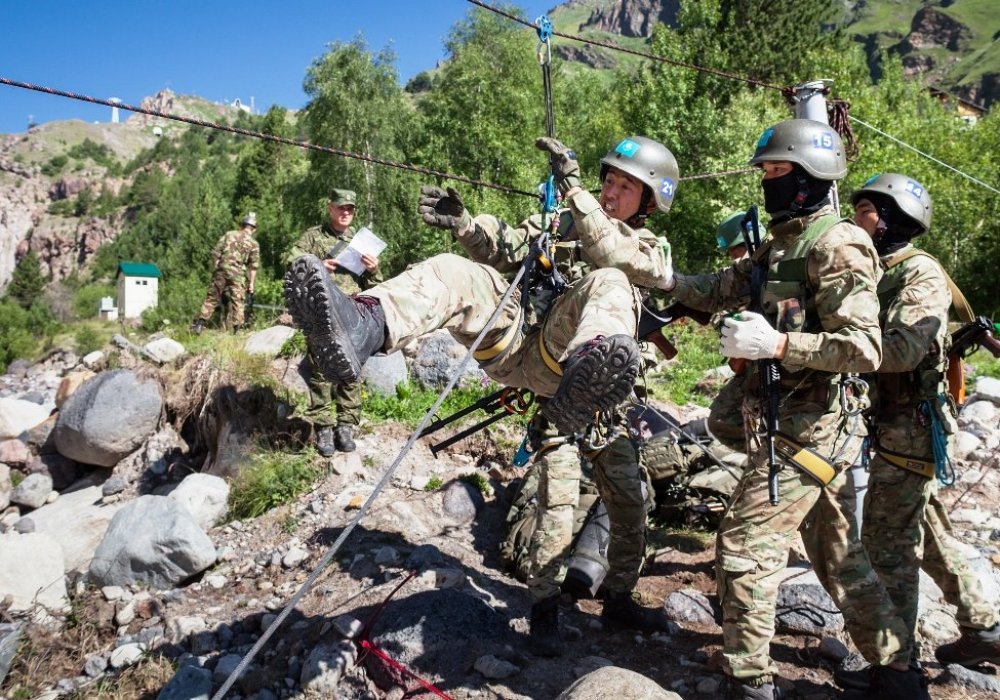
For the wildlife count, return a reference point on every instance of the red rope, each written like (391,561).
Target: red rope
(369,646)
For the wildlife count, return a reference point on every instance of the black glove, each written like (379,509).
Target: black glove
(443,209)
(563,162)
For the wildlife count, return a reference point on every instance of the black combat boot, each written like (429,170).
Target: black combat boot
(621,610)
(198,326)
(343,439)
(342,331)
(598,377)
(853,673)
(544,634)
(889,684)
(972,648)
(737,690)
(325,443)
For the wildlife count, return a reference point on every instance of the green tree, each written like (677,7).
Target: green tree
(27,281)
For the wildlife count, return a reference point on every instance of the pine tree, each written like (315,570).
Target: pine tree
(27,282)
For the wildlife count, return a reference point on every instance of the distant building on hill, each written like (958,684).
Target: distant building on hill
(138,288)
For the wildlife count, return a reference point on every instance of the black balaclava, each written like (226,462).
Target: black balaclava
(894,228)
(796,194)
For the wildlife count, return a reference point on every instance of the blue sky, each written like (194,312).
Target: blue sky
(217,49)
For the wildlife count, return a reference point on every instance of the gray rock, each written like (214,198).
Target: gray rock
(983,414)
(225,667)
(93,360)
(152,540)
(24,526)
(33,491)
(5,486)
(383,373)
(31,570)
(493,668)
(125,655)
(461,502)
(323,668)
(14,452)
(293,557)
(689,605)
(833,649)
(268,341)
(113,485)
(62,470)
(94,666)
(189,683)
(18,368)
(164,350)
(708,686)
(204,496)
(617,683)
(90,428)
(438,358)
(804,607)
(18,416)
(424,556)
(967,678)
(10,637)
(988,389)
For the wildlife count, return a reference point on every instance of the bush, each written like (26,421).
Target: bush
(54,166)
(697,352)
(87,299)
(273,478)
(410,403)
(87,340)
(23,332)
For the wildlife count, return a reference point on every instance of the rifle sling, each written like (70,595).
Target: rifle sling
(907,462)
(804,459)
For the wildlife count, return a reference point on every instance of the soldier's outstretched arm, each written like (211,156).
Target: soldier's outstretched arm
(714,291)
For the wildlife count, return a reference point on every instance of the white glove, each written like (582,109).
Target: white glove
(750,337)
(667,282)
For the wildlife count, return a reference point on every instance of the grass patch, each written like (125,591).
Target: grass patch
(985,364)
(697,352)
(272,479)
(410,404)
(434,484)
(476,481)
(683,539)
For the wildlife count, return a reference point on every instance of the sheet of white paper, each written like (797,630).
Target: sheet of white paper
(364,243)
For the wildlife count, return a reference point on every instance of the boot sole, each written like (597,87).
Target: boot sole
(309,294)
(598,382)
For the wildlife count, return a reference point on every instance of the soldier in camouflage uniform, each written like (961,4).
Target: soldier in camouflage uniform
(235,259)
(725,418)
(820,320)
(905,525)
(325,242)
(578,350)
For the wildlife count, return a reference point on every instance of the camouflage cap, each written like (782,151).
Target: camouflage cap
(730,232)
(343,197)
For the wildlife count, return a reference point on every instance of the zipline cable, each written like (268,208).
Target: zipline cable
(641,54)
(267,137)
(928,156)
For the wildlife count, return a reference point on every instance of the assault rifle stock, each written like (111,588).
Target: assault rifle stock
(498,405)
(976,333)
(652,320)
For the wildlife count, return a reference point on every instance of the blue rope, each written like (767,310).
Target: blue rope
(943,468)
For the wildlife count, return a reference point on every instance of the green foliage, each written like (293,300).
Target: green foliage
(87,299)
(295,346)
(87,339)
(84,202)
(697,352)
(62,207)
(477,481)
(410,403)
(27,282)
(54,166)
(271,479)
(98,153)
(433,484)
(24,331)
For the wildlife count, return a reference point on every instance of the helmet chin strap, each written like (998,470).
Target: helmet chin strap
(803,193)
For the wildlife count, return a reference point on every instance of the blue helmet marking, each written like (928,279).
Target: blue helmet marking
(765,138)
(627,148)
(915,189)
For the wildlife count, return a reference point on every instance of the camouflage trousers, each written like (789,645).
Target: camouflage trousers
(619,480)
(725,418)
(906,528)
(449,291)
(329,403)
(752,551)
(235,290)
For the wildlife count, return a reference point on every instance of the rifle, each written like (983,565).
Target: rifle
(770,375)
(652,320)
(248,316)
(975,334)
(498,405)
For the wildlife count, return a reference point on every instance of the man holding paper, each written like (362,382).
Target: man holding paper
(352,261)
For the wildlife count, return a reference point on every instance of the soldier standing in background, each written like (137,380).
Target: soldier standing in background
(334,429)
(906,527)
(235,259)
(816,278)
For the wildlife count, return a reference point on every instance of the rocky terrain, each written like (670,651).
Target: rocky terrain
(123,572)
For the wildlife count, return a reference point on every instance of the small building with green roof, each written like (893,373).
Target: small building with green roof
(138,286)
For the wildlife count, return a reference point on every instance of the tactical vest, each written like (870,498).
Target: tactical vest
(789,301)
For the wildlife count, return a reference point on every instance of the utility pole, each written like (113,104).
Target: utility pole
(810,103)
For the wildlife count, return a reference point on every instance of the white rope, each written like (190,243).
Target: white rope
(928,156)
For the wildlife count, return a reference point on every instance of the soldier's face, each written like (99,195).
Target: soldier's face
(341,215)
(777,168)
(866,216)
(621,194)
(737,252)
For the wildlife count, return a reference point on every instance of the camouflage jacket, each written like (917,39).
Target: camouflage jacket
(236,254)
(587,239)
(914,298)
(841,273)
(325,242)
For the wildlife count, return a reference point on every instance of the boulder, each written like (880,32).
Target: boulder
(33,491)
(268,341)
(31,571)
(18,416)
(383,373)
(689,606)
(988,389)
(204,496)
(437,358)
(10,636)
(164,350)
(804,607)
(69,384)
(62,470)
(152,540)
(618,683)
(14,452)
(91,429)
(189,683)
(5,486)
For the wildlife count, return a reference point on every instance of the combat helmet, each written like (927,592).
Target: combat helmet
(730,232)
(250,220)
(909,195)
(648,161)
(813,145)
